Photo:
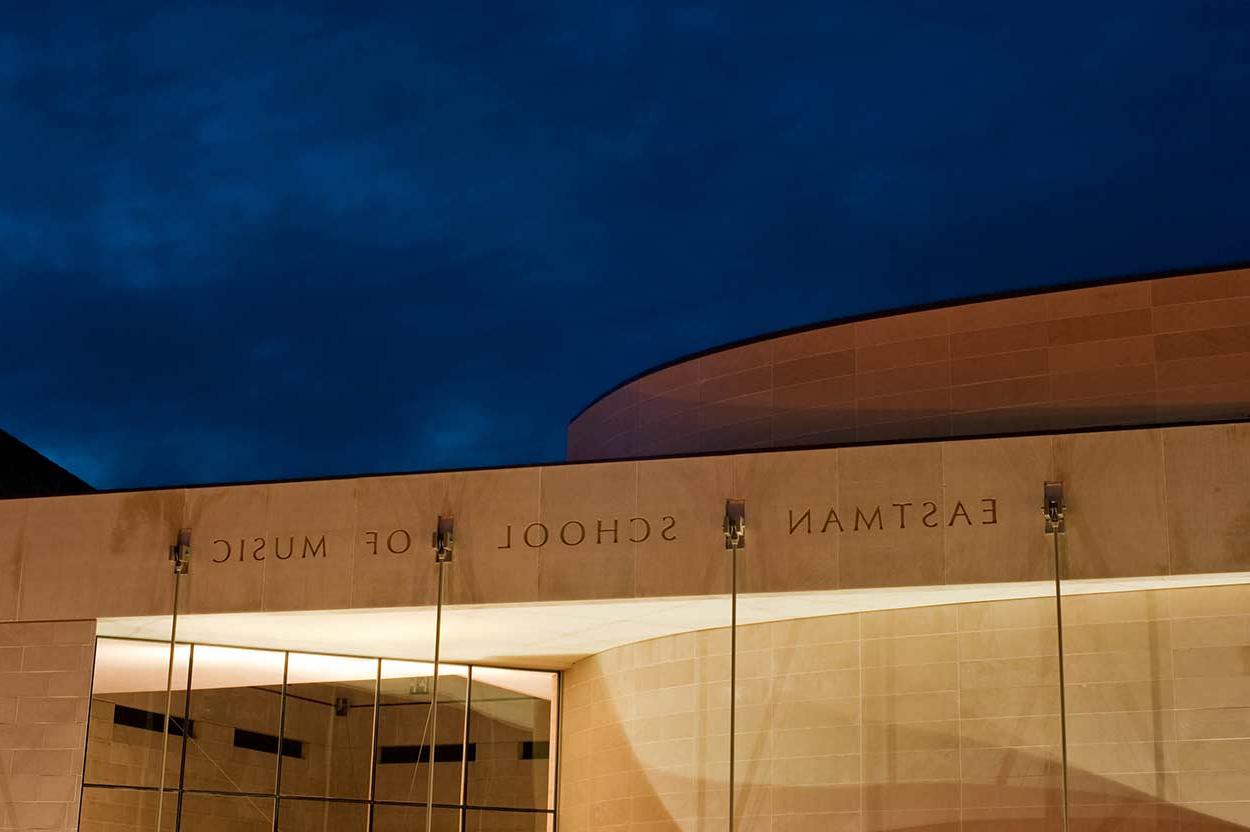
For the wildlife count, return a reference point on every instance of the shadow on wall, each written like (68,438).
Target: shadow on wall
(926,718)
(1096,802)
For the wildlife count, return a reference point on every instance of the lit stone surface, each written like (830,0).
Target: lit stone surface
(1144,502)
(897,658)
(45,685)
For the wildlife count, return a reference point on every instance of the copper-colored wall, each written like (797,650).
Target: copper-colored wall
(1169,349)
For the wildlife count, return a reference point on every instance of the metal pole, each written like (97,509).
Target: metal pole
(733,673)
(438,631)
(186,739)
(735,538)
(1063,694)
(169,682)
(464,750)
(373,741)
(277,773)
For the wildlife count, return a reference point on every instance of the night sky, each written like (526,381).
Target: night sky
(257,241)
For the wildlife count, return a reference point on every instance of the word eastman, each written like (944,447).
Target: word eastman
(896,516)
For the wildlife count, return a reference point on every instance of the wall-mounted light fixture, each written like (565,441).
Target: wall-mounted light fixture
(735,524)
(1053,507)
(180,552)
(444,538)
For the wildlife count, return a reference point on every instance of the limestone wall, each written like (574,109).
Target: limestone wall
(45,684)
(928,718)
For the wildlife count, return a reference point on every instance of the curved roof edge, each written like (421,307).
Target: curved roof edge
(923,307)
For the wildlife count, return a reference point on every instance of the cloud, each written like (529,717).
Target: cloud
(240,241)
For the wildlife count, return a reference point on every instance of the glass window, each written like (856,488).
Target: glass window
(510,734)
(215,812)
(409,818)
(322,815)
(329,712)
(312,740)
(236,705)
(408,738)
(480,821)
(125,810)
(127,737)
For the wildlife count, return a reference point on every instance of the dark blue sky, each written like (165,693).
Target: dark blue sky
(258,241)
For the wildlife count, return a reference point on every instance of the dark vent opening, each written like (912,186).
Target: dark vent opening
(535,750)
(443,753)
(151,721)
(267,743)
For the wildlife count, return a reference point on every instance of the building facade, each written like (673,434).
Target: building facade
(981,566)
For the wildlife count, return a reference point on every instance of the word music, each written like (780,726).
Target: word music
(258,548)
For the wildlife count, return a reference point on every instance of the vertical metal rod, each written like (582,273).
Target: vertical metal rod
(464,749)
(186,739)
(438,632)
(277,774)
(169,683)
(373,742)
(733,672)
(1063,698)
(82,773)
(555,763)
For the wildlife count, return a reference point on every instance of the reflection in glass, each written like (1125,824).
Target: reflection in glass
(128,705)
(480,821)
(412,819)
(216,813)
(322,816)
(316,745)
(329,713)
(236,704)
(405,731)
(124,810)
(510,734)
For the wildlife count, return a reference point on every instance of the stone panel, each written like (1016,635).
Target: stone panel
(1093,356)
(45,685)
(115,547)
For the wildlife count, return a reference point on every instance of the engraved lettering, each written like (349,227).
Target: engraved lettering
(290,549)
(930,512)
(391,538)
(990,507)
(805,517)
(311,551)
(960,511)
(258,549)
(832,519)
(646,529)
(876,515)
(226,556)
(581,533)
(902,514)
(371,539)
(600,529)
(669,522)
(526,535)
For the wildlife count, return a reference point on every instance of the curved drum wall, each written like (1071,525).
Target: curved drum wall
(1161,350)
(928,718)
